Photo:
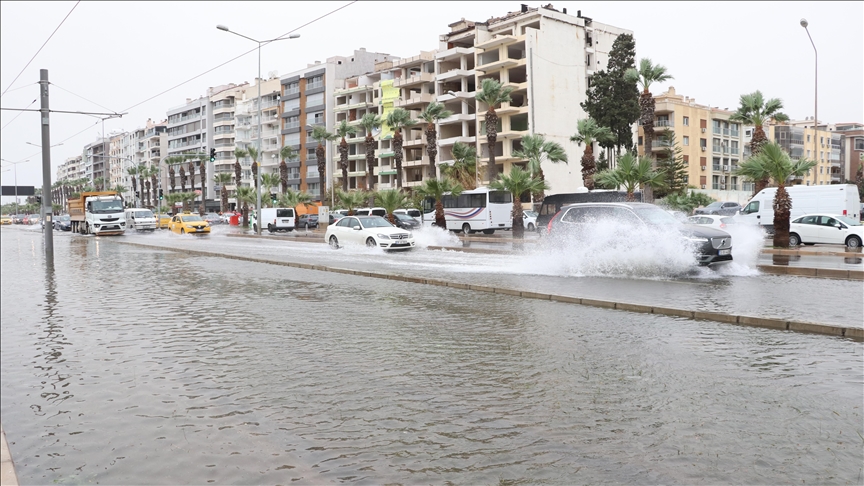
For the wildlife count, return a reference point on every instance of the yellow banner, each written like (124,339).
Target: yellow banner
(389,95)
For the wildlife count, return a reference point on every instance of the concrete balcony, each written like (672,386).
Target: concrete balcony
(444,142)
(385,153)
(418,59)
(460,95)
(355,89)
(418,141)
(454,53)
(416,100)
(414,79)
(384,171)
(498,65)
(337,159)
(353,106)
(458,118)
(455,74)
(517,86)
(355,173)
(496,41)
(508,134)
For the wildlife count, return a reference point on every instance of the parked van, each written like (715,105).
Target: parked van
(370,212)
(414,213)
(276,219)
(140,219)
(839,199)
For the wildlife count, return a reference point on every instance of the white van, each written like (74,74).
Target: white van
(276,219)
(839,199)
(140,219)
(370,212)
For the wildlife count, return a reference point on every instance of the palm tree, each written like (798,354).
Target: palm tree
(647,74)
(589,132)
(399,119)
(172,180)
(269,181)
(223,179)
(246,196)
(253,154)
(463,171)
(351,200)
(321,135)
(293,199)
(238,172)
(536,149)
(288,153)
(182,178)
(154,184)
(370,122)
(99,182)
(390,200)
(133,171)
(493,94)
(432,114)
(343,130)
(754,110)
(632,171)
(172,199)
(436,188)
(517,183)
(773,163)
(120,189)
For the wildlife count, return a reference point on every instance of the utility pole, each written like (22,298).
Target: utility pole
(47,204)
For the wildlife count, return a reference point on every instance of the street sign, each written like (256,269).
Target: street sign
(22,191)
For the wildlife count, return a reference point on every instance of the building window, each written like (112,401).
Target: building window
(808,138)
(686,121)
(686,140)
(315,99)
(640,140)
(703,142)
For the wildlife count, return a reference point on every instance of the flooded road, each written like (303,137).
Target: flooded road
(129,365)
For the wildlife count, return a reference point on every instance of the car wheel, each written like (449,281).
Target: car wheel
(270,228)
(306,226)
(334,242)
(488,231)
(794,239)
(531,227)
(466,229)
(370,242)
(853,242)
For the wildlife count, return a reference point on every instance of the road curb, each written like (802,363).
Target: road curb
(769,323)
(7,467)
(834,273)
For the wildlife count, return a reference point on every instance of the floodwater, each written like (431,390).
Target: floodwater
(127,365)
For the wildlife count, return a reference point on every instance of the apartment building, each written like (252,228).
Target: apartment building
(547,56)
(152,149)
(94,157)
(852,148)
(307,100)
(455,88)
(358,96)
(712,145)
(807,139)
(71,169)
(246,126)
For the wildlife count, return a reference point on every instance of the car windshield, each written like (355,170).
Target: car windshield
(191,218)
(849,221)
(530,214)
(728,220)
(714,205)
(212,216)
(146,213)
(403,217)
(655,215)
(64,217)
(374,222)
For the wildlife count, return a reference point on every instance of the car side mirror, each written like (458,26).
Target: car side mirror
(356,228)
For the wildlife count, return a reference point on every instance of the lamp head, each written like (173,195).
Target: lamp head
(293,36)
(804,23)
(223,27)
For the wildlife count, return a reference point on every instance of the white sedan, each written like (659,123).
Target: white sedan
(712,220)
(372,231)
(826,228)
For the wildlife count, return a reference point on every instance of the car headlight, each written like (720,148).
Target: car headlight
(697,239)
(383,236)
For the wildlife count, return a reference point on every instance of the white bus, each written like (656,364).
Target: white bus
(480,209)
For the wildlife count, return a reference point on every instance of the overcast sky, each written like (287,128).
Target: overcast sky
(119,54)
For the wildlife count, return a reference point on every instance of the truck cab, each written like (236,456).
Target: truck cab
(104,215)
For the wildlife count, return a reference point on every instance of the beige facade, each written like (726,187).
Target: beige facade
(711,144)
(802,139)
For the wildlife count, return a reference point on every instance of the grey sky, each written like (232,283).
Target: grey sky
(118,54)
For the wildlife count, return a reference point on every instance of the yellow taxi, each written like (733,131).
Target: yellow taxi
(189,223)
(164,220)
(6,219)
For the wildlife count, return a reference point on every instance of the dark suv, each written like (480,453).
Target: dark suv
(713,246)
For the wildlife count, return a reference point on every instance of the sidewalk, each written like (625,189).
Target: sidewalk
(7,469)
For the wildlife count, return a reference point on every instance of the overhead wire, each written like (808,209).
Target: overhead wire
(83,98)
(40,49)
(19,114)
(241,55)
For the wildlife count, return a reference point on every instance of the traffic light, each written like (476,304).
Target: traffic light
(38,199)
(138,194)
(273,197)
(212,155)
(160,194)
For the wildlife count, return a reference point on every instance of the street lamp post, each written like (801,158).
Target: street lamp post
(258,173)
(15,171)
(804,24)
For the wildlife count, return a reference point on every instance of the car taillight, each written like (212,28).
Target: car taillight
(722,225)
(844,212)
(549,226)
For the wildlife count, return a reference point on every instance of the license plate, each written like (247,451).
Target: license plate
(399,243)
(198,229)
(725,252)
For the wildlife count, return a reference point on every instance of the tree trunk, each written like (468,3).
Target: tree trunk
(518,219)
(432,149)
(321,154)
(135,189)
(202,208)
(182,179)
(147,185)
(245,215)
(491,138)
(171,178)
(632,197)
(397,151)
(224,194)
(154,187)
(238,178)
(646,106)
(370,169)
(440,221)
(589,167)
(192,175)
(782,209)
(343,163)
(283,176)
(756,143)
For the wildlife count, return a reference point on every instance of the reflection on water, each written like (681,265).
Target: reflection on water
(784,259)
(145,366)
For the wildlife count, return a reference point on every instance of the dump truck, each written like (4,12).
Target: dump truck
(97,213)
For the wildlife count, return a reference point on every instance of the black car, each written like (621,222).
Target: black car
(307,221)
(62,223)
(713,246)
(721,208)
(406,222)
